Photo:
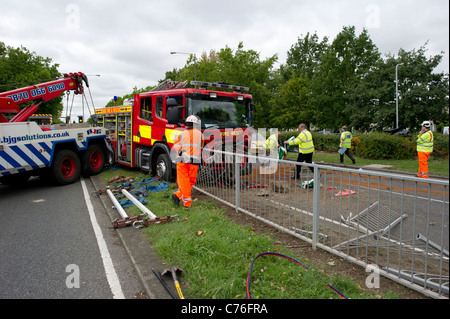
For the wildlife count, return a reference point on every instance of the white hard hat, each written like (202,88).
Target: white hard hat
(426,124)
(192,119)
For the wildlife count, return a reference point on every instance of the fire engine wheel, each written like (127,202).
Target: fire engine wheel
(163,167)
(66,167)
(93,160)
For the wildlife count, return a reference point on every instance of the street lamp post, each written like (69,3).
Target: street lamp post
(396,92)
(195,62)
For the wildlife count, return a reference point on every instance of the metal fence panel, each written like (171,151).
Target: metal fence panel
(395,222)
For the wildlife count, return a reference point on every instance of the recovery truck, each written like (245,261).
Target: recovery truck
(60,154)
(142,130)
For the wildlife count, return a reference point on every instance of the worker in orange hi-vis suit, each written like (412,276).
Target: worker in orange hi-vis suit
(187,146)
(425,141)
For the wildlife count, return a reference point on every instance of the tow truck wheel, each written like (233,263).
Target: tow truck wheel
(93,160)
(66,167)
(163,167)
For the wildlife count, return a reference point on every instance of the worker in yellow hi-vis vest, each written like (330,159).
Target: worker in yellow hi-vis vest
(305,148)
(346,145)
(425,141)
(272,144)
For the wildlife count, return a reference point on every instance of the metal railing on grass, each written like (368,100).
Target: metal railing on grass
(395,223)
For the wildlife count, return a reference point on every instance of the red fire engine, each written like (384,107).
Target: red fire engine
(142,130)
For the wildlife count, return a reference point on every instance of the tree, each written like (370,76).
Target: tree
(374,102)
(290,97)
(238,67)
(348,60)
(423,95)
(304,57)
(19,67)
(290,106)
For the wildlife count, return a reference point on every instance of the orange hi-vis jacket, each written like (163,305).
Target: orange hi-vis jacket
(188,146)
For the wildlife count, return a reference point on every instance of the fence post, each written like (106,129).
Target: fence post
(237,182)
(316,207)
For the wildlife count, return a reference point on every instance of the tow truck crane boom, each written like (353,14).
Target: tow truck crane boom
(10,100)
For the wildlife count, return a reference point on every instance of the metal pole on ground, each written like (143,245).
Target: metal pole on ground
(117,204)
(138,204)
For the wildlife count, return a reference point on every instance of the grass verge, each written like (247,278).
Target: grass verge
(216,254)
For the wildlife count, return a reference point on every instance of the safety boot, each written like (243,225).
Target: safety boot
(176,200)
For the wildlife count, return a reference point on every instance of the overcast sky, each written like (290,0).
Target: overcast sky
(129,42)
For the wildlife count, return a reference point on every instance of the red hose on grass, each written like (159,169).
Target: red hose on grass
(293,260)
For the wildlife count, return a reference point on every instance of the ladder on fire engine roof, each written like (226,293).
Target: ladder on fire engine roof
(235,88)
(169,85)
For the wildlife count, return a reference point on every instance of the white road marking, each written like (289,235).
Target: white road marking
(110,271)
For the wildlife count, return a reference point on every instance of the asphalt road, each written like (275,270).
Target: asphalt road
(49,246)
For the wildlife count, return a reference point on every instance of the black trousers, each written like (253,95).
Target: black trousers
(349,154)
(303,158)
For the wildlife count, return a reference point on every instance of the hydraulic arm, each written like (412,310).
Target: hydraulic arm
(9,101)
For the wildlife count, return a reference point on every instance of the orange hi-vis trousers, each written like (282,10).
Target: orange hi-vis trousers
(186,178)
(423,164)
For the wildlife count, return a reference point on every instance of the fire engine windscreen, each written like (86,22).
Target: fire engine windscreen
(220,112)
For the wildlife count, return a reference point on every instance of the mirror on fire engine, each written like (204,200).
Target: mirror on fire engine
(171,102)
(172,115)
(172,112)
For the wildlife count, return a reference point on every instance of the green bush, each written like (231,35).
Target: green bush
(326,142)
(440,149)
(383,146)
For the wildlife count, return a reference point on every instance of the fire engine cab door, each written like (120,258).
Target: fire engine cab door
(142,127)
